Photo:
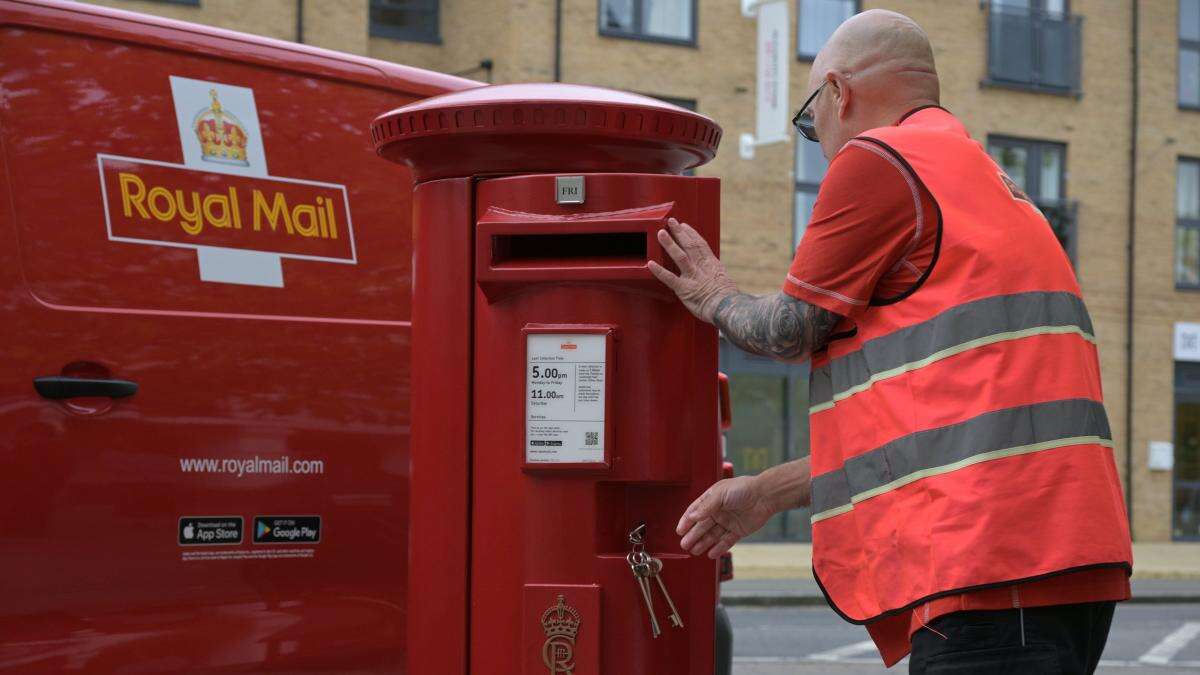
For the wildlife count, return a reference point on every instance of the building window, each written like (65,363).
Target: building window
(816,21)
(810,169)
(770,426)
(1186,511)
(412,20)
(1187,224)
(1034,44)
(1189,53)
(685,103)
(1039,169)
(672,21)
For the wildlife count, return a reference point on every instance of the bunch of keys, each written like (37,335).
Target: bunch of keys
(646,567)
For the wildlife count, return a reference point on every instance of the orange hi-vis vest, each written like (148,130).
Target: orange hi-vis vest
(959,439)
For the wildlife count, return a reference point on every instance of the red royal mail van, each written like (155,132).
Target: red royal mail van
(204,313)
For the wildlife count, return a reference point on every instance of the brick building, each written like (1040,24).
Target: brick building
(1049,86)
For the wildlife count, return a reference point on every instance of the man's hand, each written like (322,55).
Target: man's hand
(728,511)
(702,283)
(777,326)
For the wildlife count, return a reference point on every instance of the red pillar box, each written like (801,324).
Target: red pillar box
(560,394)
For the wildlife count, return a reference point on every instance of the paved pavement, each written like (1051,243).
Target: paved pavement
(782,625)
(1146,638)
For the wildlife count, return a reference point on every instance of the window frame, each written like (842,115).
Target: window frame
(1041,5)
(808,58)
(1037,9)
(1180,223)
(1032,160)
(1181,45)
(799,186)
(390,32)
(641,36)
(1033,176)
(1185,390)
(686,103)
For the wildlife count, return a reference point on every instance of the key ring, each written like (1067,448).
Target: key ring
(637,536)
(635,558)
(637,540)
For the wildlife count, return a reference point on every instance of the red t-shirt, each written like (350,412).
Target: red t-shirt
(871,235)
(871,238)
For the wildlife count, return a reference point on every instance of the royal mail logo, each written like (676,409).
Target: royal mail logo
(221,135)
(221,201)
(568,345)
(171,205)
(561,624)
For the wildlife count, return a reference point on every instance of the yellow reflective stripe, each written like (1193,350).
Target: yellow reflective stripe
(819,407)
(844,508)
(961,464)
(947,353)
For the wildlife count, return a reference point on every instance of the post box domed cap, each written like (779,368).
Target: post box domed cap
(543,128)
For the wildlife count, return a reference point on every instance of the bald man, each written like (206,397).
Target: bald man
(965,501)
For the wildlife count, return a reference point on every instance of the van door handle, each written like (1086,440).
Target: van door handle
(58,387)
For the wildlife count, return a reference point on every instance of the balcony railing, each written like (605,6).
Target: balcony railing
(1032,49)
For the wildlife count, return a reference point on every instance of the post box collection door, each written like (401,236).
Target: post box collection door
(594,411)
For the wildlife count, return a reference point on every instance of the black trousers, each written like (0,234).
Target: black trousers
(1060,639)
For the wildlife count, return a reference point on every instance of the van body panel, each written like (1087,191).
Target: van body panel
(246,509)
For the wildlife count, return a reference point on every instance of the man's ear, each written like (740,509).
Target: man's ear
(842,93)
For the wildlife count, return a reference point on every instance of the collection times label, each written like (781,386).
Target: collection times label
(564,398)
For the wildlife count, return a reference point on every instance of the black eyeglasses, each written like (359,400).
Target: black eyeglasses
(804,121)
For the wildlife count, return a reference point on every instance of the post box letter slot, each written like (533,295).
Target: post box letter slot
(541,250)
(514,249)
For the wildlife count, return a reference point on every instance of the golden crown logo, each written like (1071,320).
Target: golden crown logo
(222,136)
(561,623)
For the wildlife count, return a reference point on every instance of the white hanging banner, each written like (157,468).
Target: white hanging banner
(772,72)
(771,95)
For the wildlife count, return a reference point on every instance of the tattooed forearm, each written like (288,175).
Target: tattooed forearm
(776,326)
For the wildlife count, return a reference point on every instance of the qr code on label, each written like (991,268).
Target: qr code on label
(591,438)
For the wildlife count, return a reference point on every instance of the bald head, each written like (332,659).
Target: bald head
(881,66)
(882,49)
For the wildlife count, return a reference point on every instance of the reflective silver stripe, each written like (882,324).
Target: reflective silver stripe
(820,386)
(993,435)
(954,331)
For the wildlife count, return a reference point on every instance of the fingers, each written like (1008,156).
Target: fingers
(697,533)
(699,524)
(689,239)
(715,541)
(698,510)
(723,544)
(664,275)
(677,254)
(685,521)
(696,521)
(707,542)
